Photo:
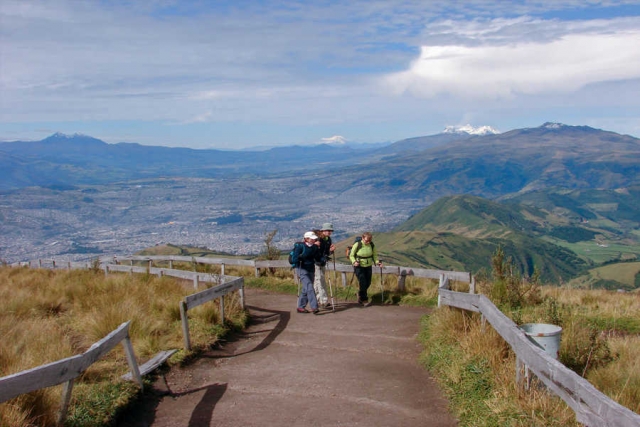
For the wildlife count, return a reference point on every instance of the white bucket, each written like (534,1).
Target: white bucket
(545,336)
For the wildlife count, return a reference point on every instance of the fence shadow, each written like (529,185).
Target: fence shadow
(258,316)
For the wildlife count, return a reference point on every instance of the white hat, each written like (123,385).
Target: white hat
(310,235)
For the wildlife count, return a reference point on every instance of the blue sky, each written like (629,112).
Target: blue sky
(237,74)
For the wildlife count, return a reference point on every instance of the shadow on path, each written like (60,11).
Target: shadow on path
(267,316)
(203,412)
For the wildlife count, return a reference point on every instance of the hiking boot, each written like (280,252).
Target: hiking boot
(327,306)
(360,301)
(316,311)
(368,303)
(302,310)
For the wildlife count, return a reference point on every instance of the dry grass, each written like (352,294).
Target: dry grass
(476,368)
(600,337)
(48,316)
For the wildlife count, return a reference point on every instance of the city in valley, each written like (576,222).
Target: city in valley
(230,216)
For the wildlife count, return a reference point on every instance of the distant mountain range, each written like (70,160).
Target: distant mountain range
(78,159)
(489,165)
(554,195)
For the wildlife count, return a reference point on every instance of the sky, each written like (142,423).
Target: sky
(257,73)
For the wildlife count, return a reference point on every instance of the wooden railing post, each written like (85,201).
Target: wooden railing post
(131,359)
(66,399)
(444,284)
(401,280)
(241,292)
(185,325)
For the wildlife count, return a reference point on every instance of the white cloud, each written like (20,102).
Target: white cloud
(562,65)
(294,71)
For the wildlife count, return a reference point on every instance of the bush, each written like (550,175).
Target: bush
(509,289)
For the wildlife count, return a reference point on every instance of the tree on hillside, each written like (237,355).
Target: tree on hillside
(270,251)
(508,286)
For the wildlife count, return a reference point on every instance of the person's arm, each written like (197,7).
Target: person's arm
(374,253)
(319,257)
(297,252)
(352,254)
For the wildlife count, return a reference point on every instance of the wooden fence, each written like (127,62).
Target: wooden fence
(592,408)
(67,370)
(225,285)
(343,269)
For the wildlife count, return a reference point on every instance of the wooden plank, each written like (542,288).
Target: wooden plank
(151,364)
(60,371)
(227,261)
(195,300)
(125,268)
(456,299)
(276,263)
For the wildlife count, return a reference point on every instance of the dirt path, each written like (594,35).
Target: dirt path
(353,367)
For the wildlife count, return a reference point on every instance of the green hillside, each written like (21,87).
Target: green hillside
(449,251)
(559,232)
(473,216)
(623,275)
(599,225)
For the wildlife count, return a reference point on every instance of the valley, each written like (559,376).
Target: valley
(230,216)
(560,199)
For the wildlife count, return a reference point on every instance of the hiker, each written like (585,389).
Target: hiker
(363,257)
(305,256)
(326,249)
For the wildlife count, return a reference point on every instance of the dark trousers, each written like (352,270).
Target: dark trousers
(364,279)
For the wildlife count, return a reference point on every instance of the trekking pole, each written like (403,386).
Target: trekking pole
(296,276)
(381,285)
(334,280)
(333,302)
(349,287)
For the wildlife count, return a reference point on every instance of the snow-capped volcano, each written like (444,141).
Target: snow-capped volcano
(481,130)
(60,135)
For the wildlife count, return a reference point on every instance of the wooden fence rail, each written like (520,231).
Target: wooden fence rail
(225,285)
(67,370)
(592,408)
(343,269)
(199,298)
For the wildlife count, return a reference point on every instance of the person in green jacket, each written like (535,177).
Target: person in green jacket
(363,257)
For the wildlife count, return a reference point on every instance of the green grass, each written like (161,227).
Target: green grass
(600,254)
(624,324)
(467,382)
(623,275)
(101,403)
